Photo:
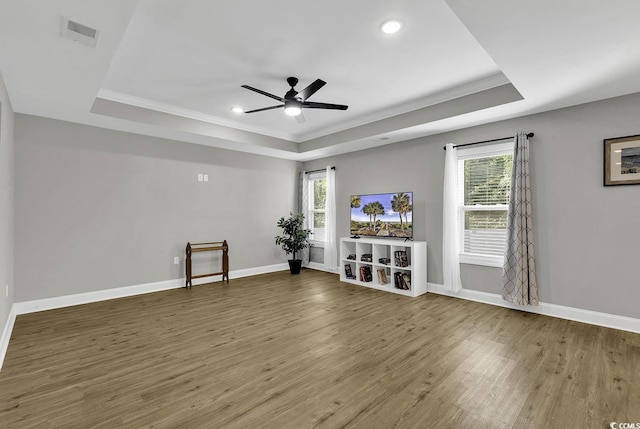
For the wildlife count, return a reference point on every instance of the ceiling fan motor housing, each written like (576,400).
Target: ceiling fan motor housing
(291,95)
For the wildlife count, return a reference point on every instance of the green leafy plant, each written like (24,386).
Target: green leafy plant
(295,237)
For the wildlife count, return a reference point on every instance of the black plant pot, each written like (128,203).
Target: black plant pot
(295,265)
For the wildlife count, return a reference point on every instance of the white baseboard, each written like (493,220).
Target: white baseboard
(321,267)
(255,271)
(121,292)
(6,334)
(36,305)
(570,313)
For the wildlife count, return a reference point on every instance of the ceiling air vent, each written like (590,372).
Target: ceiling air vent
(79,32)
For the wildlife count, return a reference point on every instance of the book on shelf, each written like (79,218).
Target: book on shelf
(400,280)
(348,272)
(365,274)
(396,280)
(366,257)
(382,277)
(406,277)
(400,257)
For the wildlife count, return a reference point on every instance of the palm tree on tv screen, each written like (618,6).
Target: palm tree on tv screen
(378,209)
(401,204)
(368,209)
(396,205)
(407,209)
(356,201)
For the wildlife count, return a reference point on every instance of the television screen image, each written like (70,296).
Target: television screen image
(382,215)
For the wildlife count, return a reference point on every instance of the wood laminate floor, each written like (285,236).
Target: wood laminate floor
(282,351)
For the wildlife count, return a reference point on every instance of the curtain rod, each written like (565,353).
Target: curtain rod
(317,171)
(487,141)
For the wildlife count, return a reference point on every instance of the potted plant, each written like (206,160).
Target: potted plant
(294,238)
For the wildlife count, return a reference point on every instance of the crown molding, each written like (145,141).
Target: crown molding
(488,82)
(144,103)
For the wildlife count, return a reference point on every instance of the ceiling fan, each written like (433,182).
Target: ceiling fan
(294,101)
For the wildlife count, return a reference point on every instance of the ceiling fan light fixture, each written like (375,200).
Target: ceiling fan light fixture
(292,108)
(391,26)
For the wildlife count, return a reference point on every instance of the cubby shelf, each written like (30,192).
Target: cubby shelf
(415,271)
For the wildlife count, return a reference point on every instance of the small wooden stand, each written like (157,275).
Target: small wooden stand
(207,247)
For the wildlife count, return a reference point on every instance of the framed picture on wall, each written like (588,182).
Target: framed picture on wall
(622,161)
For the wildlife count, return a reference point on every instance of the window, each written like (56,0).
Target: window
(317,204)
(484,181)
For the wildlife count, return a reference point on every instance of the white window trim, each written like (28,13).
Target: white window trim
(486,151)
(479,152)
(310,210)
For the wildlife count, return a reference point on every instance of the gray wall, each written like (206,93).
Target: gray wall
(409,166)
(6,204)
(100,209)
(587,236)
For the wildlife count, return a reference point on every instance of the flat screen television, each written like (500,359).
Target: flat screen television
(382,215)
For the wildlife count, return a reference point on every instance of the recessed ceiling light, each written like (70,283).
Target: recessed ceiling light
(391,26)
(237,109)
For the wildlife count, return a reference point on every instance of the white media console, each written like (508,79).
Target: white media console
(391,265)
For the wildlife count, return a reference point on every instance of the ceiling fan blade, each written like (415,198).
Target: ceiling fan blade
(259,91)
(265,108)
(300,118)
(312,105)
(311,89)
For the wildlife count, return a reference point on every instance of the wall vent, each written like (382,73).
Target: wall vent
(80,33)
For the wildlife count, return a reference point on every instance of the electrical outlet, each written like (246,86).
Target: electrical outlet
(200,177)
(176,260)
(205,177)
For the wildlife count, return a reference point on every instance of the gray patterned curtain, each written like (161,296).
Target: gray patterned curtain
(303,204)
(519,272)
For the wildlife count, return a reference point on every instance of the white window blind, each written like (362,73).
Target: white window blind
(484,178)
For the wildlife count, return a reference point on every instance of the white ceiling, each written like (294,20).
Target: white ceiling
(174,69)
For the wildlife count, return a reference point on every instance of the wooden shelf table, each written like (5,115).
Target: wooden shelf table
(207,247)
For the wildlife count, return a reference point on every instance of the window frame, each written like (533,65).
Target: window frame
(311,210)
(487,151)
